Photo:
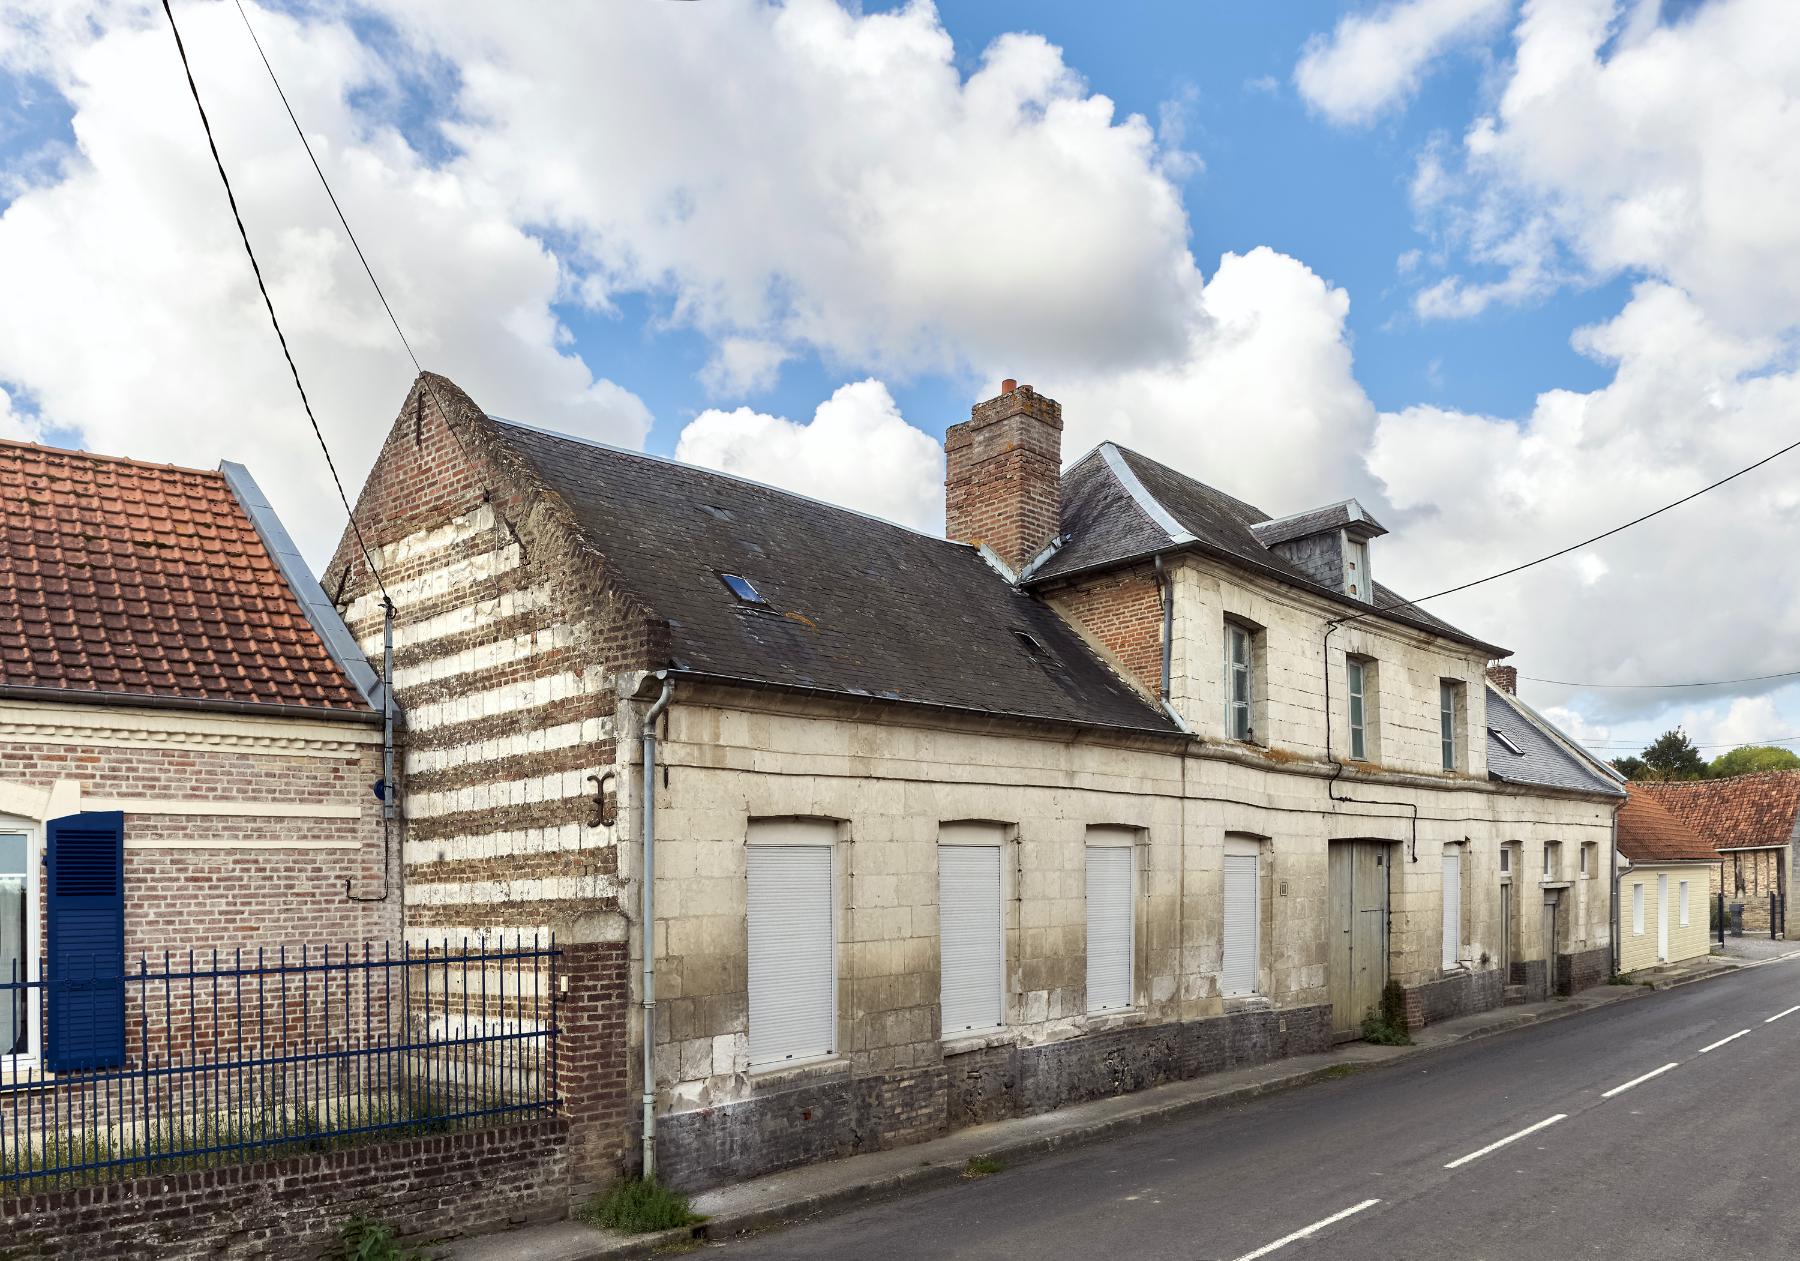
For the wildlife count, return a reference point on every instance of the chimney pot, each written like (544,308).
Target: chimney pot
(1008,386)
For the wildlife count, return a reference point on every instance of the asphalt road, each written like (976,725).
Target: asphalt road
(1698,1161)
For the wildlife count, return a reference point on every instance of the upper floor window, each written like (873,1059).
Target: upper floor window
(1450,704)
(1361,676)
(1356,570)
(1239,667)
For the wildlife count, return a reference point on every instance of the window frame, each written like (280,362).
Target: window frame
(32,831)
(1681,900)
(798,833)
(985,836)
(1251,847)
(1129,839)
(1236,633)
(1450,707)
(1356,556)
(1452,950)
(1356,706)
(1637,908)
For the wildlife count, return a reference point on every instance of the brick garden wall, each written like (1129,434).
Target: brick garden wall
(293,1207)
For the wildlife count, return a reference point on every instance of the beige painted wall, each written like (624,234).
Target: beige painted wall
(890,781)
(1692,941)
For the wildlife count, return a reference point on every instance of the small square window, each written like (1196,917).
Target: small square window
(1505,860)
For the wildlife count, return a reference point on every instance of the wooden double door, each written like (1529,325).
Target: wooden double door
(1358,927)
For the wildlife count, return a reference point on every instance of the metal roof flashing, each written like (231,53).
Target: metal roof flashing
(318,608)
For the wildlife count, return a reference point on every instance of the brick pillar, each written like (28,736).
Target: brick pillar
(592,1062)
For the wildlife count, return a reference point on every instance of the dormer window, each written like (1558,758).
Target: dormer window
(1356,570)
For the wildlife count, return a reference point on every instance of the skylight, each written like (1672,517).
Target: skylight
(741,588)
(1506,740)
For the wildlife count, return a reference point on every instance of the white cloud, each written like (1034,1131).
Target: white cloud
(744,365)
(17,425)
(807,177)
(857,451)
(1373,61)
(1683,164)
(144,332)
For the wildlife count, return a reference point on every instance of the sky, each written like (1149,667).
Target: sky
(1509,273)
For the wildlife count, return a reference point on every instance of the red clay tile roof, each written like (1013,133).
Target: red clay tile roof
(1648,833)
(1743,812)
(147,580)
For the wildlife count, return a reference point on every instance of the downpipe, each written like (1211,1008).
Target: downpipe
(648,919)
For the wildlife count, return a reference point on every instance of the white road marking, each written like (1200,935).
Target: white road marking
(1308,1231)
(1638,1081)
(1510,1138)
(1722,1041)
(1778,1015)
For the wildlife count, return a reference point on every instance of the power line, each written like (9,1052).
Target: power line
(268,302)
(1617,529)
(298,131)
(1719,744)
(1754,678)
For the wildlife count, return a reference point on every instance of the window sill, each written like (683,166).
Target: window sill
(1247,1002)
(1121,1018)
(1556,884)
(979,1040)
(788,1072)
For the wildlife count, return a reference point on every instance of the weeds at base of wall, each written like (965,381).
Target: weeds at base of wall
(365,1239)
(982,1167)
(638,1206)
(1619,978)
(1387,1026)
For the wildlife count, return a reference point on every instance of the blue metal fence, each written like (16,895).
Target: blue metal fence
(229,1056)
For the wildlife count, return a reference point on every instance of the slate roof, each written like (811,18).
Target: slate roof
(1316,521)
(122,578)
(1119,505)
(1648,833)
(1744,812)
(1545,758)
(856,605)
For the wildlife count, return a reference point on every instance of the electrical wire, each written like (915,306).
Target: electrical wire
(1754,678)
(244,235)
(1720,744)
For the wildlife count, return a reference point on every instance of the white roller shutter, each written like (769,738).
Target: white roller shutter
(792,968)
(970,952)
(1241,915)
(1452,906)
(1108,927)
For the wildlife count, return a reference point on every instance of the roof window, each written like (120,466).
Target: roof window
(1507,741)
(1029,642)
(741,588)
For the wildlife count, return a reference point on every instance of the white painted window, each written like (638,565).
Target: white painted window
(1243,915)
(1110,867)
(18,940)
(1238,666)
(1681,898)
(1637,909)
(1448,716)
(1552,860)
(792,954)
(1356,571)
(1506,860)
(1452,905)
(1357,673)
(971,939)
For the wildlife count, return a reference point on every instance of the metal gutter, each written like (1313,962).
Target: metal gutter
(319,610)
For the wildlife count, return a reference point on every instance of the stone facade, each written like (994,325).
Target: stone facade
(523,670)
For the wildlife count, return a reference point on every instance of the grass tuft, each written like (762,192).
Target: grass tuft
(365,1239)
(637,1206)
(981,1167)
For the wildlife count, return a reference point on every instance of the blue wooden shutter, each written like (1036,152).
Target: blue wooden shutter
(85,961)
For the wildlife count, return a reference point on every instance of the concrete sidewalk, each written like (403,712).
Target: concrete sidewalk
(813,1189)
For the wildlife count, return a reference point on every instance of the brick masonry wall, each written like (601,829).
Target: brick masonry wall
(1461,995)
(426,1189)
(833,1115)
(1533,978)
(230,881)
(1582,969)
(1122,613)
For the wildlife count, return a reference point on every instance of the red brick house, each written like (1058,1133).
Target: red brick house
(1753,822)
(188,740)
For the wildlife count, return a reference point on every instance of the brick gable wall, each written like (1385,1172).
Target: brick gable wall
(1121,612)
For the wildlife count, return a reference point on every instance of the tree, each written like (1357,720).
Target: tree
(1751,758)
(1670,756)
(1631,767)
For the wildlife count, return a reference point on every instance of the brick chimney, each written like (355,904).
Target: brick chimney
(1003,474)
(1506,678)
